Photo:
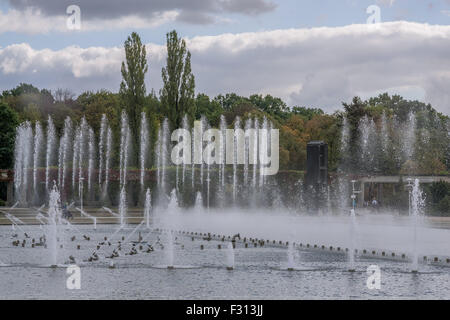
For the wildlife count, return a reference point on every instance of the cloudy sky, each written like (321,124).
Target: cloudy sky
(314,53)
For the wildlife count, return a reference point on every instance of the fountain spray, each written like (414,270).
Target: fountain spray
(351,251)
(170,250)
(290,257)
(415,205)
(148,207)
(54,214)
(122,207)
(144,146)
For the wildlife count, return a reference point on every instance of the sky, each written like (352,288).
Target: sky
(314,53)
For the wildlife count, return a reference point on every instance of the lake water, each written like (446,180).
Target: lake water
(259,273)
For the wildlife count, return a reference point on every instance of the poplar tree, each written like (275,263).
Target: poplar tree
(178,92)
(132,88)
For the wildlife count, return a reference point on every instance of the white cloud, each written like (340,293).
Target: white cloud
(42,16)
(319,67)
(32,21)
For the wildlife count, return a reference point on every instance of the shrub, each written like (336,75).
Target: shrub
(438,195)
(444,206)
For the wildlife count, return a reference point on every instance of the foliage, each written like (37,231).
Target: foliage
(177,94)
(8,122)
(439,197)
(211,109)
(94,105)
(132,89)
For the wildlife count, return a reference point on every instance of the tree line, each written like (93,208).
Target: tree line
(297,124)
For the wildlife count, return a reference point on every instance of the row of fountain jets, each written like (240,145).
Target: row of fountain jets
(80,158)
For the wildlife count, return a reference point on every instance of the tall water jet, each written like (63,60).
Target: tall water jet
(263,152)
(193,150)
(81,155)
(144,141)
(208,160)
(290,257)
(416,203)
(60,157)
(185,126)
(101,147)
(124,148)
(165,152)
(345,135)
(91,155)
(230,256)
(351,253)
(108,159)
(177,170)
(343,192)
(75,156)
(173,202)
(363,127)
(203,127)
(22,159)
(409,137)
(277,202)
(38,142)
(223,127)
(147,207)
(255,157)
(122,207)
(161,158)
(367,136)
(54,218)
(158,156)
(199,202)
(248,137)
(169,250)
(237,126)
(51,143)
(384,134)
(66,144)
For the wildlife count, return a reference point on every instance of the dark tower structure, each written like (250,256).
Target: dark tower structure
(317,163)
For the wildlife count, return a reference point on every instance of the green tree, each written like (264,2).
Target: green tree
(307,113)
(211,109)
(271,105)
(94,105)
(354,112)
(152,108)
(9,119)
(228,100)
(132,88)
(177,94)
